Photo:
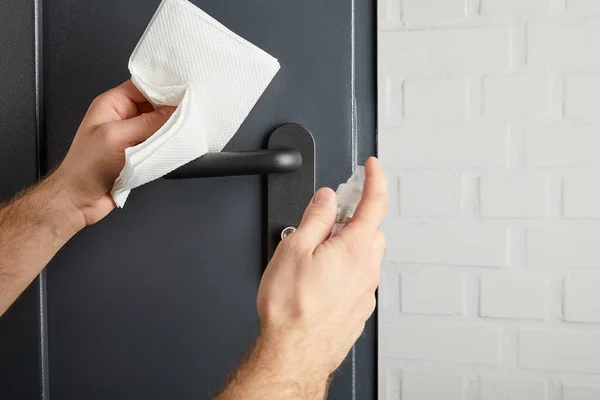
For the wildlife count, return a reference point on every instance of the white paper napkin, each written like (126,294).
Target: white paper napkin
(188,59)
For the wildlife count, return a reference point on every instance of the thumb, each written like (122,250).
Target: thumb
(140,128)
(318,220)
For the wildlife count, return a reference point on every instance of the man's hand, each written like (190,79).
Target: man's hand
(116,120)
(315,297)
(35,225)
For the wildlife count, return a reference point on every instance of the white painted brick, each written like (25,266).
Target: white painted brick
(469,344)
(571,351)
(562,146)
(389,289)
(582,95)
(433,194)
(582,299)
(430,386)
(391,99)
(503,388)
(580,392)
(443,67)
(501,7)
(514,195)
(431,10)
(564,43)
(513,296)
(389,13)
(509,96)
(473,146)
(436,294)
(581,196)
(435,100)
(584,8)
(445,52)
(449,243)
(572,245)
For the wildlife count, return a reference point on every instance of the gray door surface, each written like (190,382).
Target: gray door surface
(158,300)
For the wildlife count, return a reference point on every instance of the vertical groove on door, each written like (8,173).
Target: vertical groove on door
(41,172)
(364,87)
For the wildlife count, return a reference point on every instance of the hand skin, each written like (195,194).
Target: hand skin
(38,222)
(314,298)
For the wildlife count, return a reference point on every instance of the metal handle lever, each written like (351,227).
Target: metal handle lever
(240,163)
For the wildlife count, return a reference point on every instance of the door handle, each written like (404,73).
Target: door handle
(260,162)
(288,162)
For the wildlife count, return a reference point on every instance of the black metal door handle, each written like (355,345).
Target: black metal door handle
(261,162)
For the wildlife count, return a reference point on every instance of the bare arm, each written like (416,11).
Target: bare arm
(35,225)
(314,299)
(33,228)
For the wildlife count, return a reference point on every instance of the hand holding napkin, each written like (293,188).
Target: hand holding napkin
(188,59)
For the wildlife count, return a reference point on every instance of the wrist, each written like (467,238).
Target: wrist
(53,200)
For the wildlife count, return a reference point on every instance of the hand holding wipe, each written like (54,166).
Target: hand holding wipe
(187,59)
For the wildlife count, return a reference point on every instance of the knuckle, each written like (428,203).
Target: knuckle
(112,137)
(148,119)
(98,100)
(152,120)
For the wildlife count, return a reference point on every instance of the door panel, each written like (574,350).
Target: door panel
(158,300)
(20,359)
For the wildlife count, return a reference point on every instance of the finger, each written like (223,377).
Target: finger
(376,258)
(128,90)
(137,129)
(318,220)
(117,104)
(374,203)
(379,243)
(144,108)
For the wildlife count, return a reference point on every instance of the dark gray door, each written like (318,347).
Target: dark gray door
(158,300)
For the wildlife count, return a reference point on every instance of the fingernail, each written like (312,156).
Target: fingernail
(324,197)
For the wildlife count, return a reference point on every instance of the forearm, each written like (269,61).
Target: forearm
(272,373)
(33,227)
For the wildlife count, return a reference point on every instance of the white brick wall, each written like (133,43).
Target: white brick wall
(489,128)
(449,342)
(514,195)
(432,10)
(581,196)
(426,194)
(582,299)
(566,43)
(507,96)
(574,392)
(446,99)
(583,94)
(559,350)
(428,386)
(437,294)
(501,388)
(513,296)
(502,7)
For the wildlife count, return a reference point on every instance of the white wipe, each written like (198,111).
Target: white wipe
(349,195)
(188,59)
